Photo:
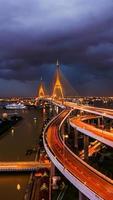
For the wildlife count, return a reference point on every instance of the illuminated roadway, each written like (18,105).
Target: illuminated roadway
(99,134)
(22,166)
(89,181)
(94,146)
(94,110)
(90,109)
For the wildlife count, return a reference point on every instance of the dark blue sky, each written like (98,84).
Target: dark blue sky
(33,34)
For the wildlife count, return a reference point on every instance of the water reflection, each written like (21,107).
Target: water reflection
(18,186)
(13,147)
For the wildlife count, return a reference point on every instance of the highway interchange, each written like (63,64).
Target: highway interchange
(90,179)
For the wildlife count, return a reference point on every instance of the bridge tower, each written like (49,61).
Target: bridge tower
(57,89)
(41,90)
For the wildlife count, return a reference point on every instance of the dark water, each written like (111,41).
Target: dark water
(8,186)
(13,147)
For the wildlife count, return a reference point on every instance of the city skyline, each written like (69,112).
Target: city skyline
(34,34)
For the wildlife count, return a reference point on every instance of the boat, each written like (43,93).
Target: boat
(15,106)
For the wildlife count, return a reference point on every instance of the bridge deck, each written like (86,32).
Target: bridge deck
(23,166)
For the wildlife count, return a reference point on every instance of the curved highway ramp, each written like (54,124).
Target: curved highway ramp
(89,181)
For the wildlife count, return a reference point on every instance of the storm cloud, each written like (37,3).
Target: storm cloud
(33,34)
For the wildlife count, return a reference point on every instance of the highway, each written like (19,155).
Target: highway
(92,148)
(96,145)
(90,109)
(22,166)
(99,134)
(94,110)
(91,179)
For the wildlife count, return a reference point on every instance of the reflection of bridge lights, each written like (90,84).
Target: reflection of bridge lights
(18,187)
(12,131)
(35,119)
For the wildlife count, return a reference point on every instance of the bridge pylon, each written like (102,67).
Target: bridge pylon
(41,90)
(57,88)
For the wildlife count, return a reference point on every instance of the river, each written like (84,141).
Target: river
(13,146)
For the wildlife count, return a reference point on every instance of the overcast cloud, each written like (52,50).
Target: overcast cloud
(33,34)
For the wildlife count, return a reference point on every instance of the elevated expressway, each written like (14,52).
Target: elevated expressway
(22,166)
(90,109)
(99,134)
(89,181)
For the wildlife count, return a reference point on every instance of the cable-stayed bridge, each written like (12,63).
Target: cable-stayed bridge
(90,182)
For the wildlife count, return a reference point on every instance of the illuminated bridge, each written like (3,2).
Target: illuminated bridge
(22,166)
(89,181)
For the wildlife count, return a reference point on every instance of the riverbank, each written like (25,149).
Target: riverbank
(8,123)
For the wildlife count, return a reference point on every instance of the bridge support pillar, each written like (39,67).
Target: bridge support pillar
(54,112)
(52,169)
(63,129)
(68,125)
(88,121)
(52,173)
(98,123)
(86,144)
(82,196)
(111,124)
(93,121)
(76,140)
